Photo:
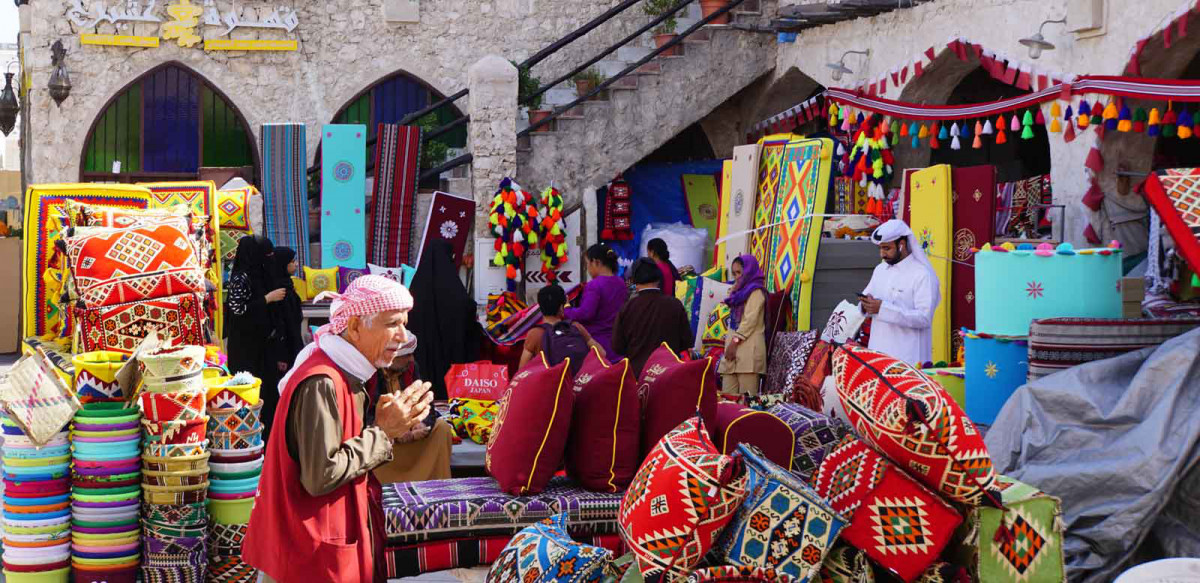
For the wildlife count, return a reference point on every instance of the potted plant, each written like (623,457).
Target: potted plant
(664,32)
(586,81)
(708,7)
(527,85)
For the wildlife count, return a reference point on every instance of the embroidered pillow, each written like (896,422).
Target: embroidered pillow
(846,564)
(1032,549)
(530,433)
(815,434)
(319,280)
(544,552)
(672,391)
(899,523)
(783,524)
(945,452)
(232,208)
(679,502)
(122,327)
(603,450)
(808,386)
(301,287)
(111,266)
(789,354)
(402,275)
(473,419)
(101,215)
(346,275)
(737,425)
(733,574)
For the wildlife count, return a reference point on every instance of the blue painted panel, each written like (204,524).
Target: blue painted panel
(171,121)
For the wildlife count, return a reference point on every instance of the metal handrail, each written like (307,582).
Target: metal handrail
(610,50)
(577,34)
(448,165)
(631,68)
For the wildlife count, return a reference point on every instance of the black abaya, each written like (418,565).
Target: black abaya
(248,318)
(443,316)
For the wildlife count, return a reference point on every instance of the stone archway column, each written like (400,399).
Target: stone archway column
(492,131)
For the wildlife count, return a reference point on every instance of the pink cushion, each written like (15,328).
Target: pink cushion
(530,433)
(737,424)
(603,447)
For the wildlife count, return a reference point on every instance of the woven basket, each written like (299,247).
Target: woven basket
(175,432)
(176,479)
(233,419)
(175,494)
(173,369)
(173,406)
(96,376)
(234,396)
(178,464)
(175,450)
(36,399)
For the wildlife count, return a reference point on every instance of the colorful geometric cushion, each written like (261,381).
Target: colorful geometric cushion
(679,502)
(402,275)
(900,524)
(230,569)
(300,286)
(345,275)
(232,208)
(734,574)
(229,239)
(603,451)
(945,451)
(716,326)
(100,215)
(1031,551)
(737,425)
(122,327)
(112,265)
(530,433)
(846,564)
(672,391)
(789,355)
(320,280)
(814,436)
(473,419)
(783,524)
(808,386)
(545,553)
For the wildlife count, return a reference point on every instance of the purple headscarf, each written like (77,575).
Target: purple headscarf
(752,279)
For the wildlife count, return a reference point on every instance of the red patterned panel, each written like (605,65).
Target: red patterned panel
(121,327)
(945,451)
(898,523)
(155,259)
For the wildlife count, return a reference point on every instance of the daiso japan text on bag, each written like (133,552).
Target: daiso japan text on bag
(481,380)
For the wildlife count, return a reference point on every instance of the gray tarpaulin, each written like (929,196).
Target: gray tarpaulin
(1115,440)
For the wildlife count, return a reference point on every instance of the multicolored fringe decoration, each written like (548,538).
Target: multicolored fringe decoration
(554,232)
(871,161)
(514,220)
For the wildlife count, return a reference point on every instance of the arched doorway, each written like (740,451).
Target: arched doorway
(393,98)
(167,125)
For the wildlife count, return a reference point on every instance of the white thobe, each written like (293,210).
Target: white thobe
(903,328)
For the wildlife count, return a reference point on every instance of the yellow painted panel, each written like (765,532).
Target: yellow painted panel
(932,216)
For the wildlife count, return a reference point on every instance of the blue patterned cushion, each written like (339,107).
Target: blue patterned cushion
(783,524)
(545,553)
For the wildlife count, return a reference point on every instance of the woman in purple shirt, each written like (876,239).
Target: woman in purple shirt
(603,296)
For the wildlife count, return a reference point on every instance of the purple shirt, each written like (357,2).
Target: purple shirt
(602,299)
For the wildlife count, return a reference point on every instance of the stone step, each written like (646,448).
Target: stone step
(459,185)
(652,68)
(559,96)
(626,83)
(632,54)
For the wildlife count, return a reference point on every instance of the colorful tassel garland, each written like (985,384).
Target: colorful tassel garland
(1055,126)
(1001,137)
(904,130)
(944,134)
(1040,118)
(955,144)
(966,130)
(1055,109)
(987,128)
(1085,114)
(894,128)
(1069,134)
(924,133)
(1184,129)
(1110,113)
(933,136)
(978,143)
(978,127)
(1000,124)
(1125,119)
(1028,119)
(1016,124)
(916,142)
(1027,133)
(1168,123)
(1153,128)
(1139,120)
(1097,113)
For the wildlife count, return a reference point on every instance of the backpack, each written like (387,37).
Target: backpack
(563,340)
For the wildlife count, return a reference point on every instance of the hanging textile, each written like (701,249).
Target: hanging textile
(285,187)
(769,176)
(974,206)
(343,196)
(451,218)
(794,240)
(618,225)
(703,200)
(1175,195)
(394,217)
(1004,203)
(931,223)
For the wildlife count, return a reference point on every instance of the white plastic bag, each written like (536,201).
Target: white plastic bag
(688,245)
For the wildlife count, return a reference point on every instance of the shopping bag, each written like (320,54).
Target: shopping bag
(480,380)
(844,323)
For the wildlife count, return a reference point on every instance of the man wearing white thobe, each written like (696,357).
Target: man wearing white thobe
(902,296)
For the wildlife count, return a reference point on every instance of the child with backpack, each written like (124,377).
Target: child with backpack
(557,338)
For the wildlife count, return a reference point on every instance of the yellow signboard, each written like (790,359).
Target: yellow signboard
(251,45)
(118,40)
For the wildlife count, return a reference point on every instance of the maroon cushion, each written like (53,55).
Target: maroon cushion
(737,424)
(602,450)
(672,391)
(530,432)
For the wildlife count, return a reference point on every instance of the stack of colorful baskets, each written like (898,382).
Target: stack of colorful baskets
(175,466)
(235,434)
(106,479)
(37,513)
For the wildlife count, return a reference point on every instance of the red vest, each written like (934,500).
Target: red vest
(294,536)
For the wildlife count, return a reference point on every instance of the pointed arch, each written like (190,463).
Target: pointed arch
(167,124)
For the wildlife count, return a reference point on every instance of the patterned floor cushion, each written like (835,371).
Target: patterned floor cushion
(789,355)
(603,449)
(885,400)
(545,552)
(415,559)
(530,435)
(672,391)
(899,523)
(814,436)
(783,525)
(808,387)
(112,266)
(734,574)
(1167,307)
(679,502)
(1061,343)
(846,564)
(737,425)
(232,208)
(122,327)
(1030,548)
(471,507)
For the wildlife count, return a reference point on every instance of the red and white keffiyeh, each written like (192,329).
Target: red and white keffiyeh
(369,294)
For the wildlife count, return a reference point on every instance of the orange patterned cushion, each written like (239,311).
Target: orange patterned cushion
(153,260)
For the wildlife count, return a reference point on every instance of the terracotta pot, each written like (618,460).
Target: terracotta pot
(584,87)
(536,115)
(662,39)
(710,6)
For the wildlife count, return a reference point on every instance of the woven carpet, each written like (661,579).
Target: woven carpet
(770,174)
(343,196)
(1060,343)
(285,187)
(794,241)
(1175,195)
(451,218)
(427,557)
(201,197)
(394,217)
(974,202)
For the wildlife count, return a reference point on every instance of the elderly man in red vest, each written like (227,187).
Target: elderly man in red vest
(319,515)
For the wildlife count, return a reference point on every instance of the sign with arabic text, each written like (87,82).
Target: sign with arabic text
(187,22)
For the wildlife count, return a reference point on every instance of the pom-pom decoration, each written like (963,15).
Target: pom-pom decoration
(554,232)
(514,220)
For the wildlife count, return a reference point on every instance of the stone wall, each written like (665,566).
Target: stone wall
(345,47)
(894,39)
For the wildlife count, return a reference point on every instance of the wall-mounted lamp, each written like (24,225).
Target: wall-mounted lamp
(840,68)
(60,81)
(8,102)
(1038,43)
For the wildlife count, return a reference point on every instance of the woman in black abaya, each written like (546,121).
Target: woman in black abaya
(285,341)
(249,297)
(443,316)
